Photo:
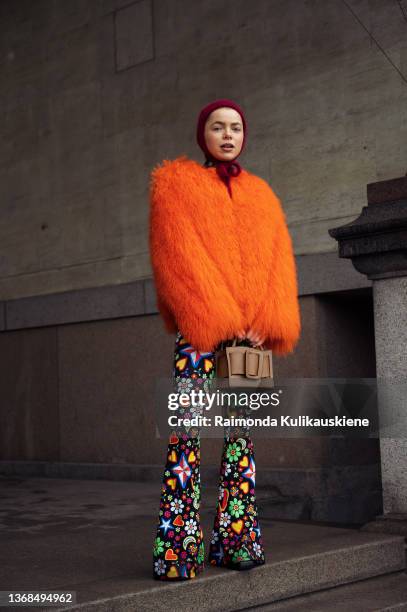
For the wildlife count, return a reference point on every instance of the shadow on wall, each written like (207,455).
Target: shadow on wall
(337,338)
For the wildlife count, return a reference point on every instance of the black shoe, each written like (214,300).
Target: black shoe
(244,565)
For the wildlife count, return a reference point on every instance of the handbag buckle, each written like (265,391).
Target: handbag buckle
(259,370)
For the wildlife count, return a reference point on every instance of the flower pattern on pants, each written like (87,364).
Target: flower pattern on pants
(236,534)
(179,547)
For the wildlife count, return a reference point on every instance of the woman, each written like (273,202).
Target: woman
(224,268)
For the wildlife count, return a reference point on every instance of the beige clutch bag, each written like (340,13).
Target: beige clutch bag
(245,366)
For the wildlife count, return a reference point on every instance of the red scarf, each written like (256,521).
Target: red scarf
(225,169)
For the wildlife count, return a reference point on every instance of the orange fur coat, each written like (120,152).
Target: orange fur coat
(221,263)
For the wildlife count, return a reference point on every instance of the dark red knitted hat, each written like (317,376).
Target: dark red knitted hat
(225,169)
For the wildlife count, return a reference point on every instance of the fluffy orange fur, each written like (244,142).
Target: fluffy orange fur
(221,263)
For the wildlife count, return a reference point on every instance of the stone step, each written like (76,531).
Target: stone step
(95,538)
(306,559)
(382,594)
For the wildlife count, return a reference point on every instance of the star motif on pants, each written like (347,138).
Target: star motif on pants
(194,355)
(250,473)
(165,524)
(183,470)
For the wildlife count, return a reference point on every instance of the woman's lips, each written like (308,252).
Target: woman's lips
(227,147)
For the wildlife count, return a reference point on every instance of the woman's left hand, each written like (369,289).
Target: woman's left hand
(255,338)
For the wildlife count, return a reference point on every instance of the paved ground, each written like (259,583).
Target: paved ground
(95,536)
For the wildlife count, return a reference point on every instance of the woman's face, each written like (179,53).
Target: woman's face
(224,133)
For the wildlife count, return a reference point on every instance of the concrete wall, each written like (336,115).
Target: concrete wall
(93,93)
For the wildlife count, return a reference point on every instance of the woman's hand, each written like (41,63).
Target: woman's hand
(255,338)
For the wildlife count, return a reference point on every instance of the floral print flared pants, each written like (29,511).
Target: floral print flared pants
(236,537)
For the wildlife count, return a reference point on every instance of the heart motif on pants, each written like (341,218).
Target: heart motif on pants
(245,487)
(244,462)
(170,555)
(191,457)
(237,526)
(172,482)
(178,521)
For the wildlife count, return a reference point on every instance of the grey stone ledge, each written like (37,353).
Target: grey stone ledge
(91,304)
(317,273)
(327,273)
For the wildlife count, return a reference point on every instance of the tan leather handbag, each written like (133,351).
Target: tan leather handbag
(245,366)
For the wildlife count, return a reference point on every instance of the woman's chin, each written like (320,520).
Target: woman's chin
(226,156)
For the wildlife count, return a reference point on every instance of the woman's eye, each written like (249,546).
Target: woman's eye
(236,129)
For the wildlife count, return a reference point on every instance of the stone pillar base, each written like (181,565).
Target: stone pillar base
(376,242)
(388,523)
